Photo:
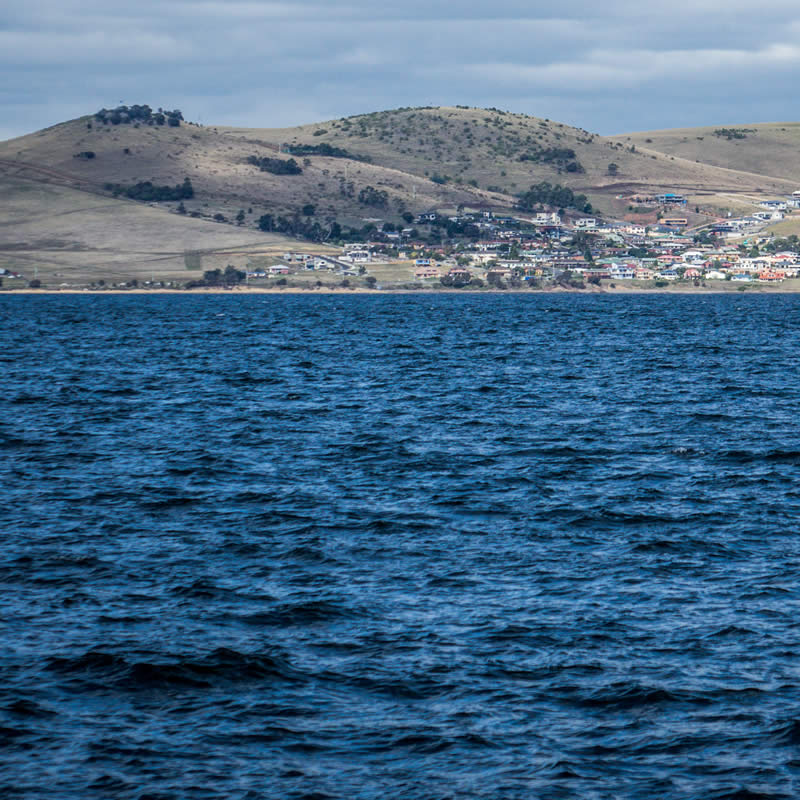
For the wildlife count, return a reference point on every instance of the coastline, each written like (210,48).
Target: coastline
(332,290)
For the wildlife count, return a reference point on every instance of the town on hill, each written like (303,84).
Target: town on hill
(457,198)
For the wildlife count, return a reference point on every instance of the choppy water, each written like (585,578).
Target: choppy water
(399,547)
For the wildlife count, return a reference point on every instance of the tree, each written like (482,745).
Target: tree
(230,277)
(553,195)
(233,275)
(370,196)
(240,216)
(309,210)
(371,280)
(613,168)
(266,223)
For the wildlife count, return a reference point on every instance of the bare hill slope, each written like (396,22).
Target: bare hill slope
(768,149)
(65,236)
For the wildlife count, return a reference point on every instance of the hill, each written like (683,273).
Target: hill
(218,166)
(124,194)
(414,159)
(65,236)
(768,149)
(504,152)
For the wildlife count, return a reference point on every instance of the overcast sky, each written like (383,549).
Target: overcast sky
(606,65)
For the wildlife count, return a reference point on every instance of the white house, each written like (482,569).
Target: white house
(545,218)
(586,223)
(622,272)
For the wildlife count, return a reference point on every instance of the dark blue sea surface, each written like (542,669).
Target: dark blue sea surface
(504,546)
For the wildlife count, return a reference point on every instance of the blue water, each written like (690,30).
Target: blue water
(415,547)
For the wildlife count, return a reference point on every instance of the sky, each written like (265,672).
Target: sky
(611,67)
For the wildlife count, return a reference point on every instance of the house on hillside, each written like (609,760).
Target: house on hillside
(675,222)
(670,199)
(544,218)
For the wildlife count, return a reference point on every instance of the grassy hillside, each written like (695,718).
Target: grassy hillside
(508,152)
(65,236)
(420,158)
(223,180)
(768,149)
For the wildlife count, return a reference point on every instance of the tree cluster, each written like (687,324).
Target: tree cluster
(562,157)
(455,281)
(548,194)
(148,192)
(124,115)
(370,196)
(733,133)
(328,150)
(216,277)
(277,166)
(788,244)
(296,226)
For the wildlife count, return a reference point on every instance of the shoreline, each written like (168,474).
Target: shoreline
(689,290)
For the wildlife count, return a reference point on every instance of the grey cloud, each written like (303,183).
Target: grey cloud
(607,67)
